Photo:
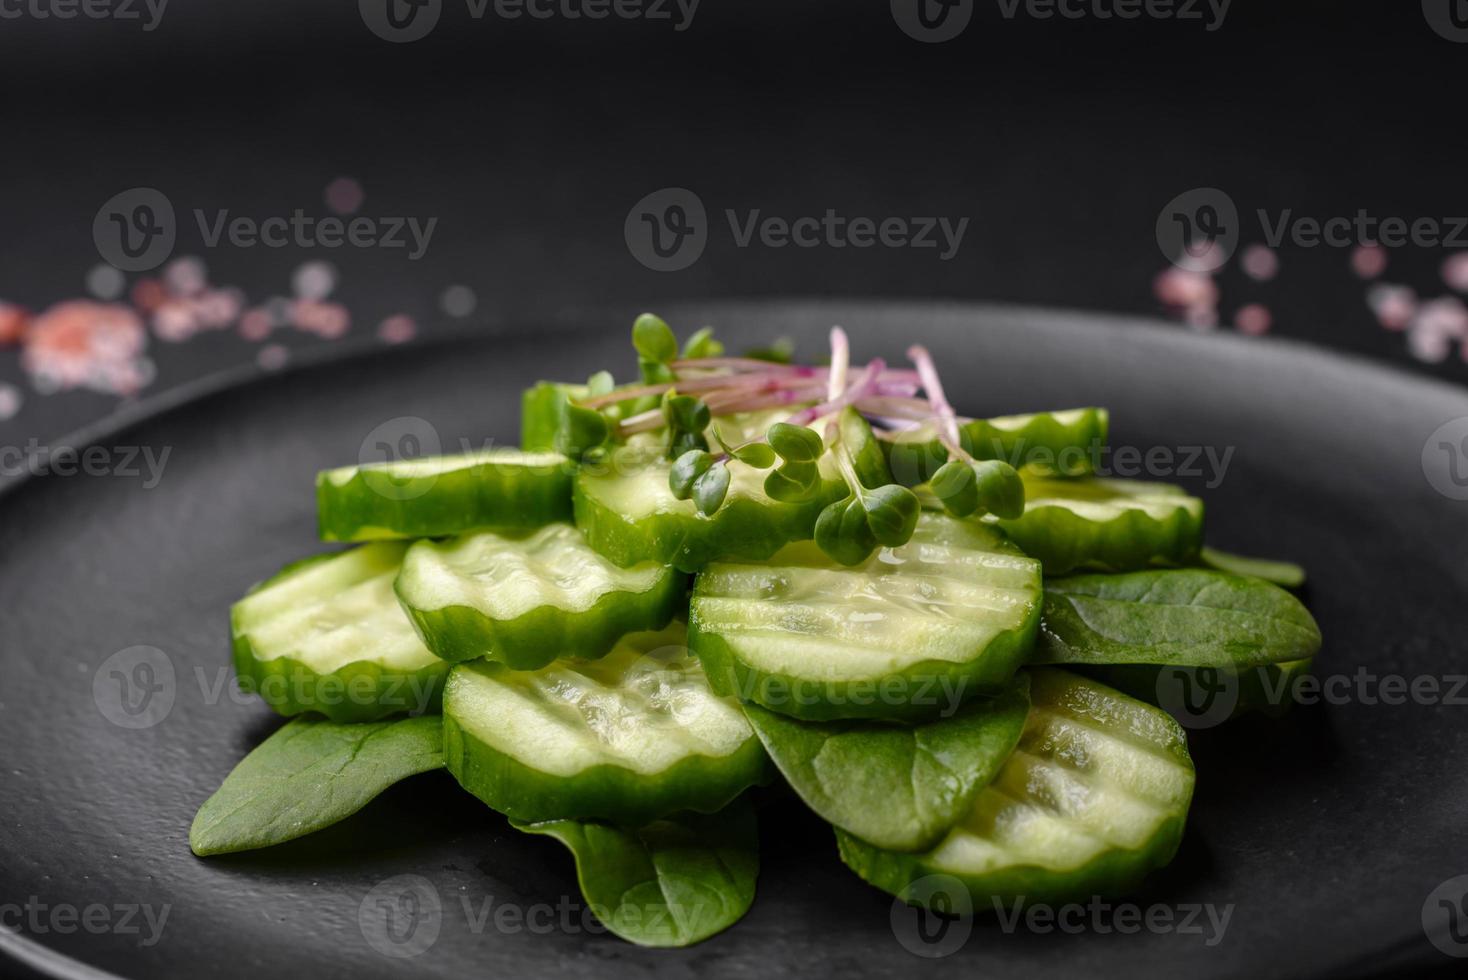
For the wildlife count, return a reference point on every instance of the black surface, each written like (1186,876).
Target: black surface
(1327,829)
(1061,140)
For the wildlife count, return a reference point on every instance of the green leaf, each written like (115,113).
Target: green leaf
(1000,490)
(654,339)
(1283,573)
(702,344)
(793,483)
(795,443)
(843,533)
(710,489)
(956,488)
(892,513)
(600,383)
(865,451)
(686,412)
(309,775)
(895,786)
(1183,617)
(675,882)
(685,470)
(757,454)
(782,351)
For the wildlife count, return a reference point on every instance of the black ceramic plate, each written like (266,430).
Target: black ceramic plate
(1326,831)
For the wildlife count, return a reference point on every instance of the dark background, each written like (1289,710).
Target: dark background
(530,141)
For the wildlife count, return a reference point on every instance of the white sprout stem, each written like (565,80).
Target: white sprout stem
(928,372)
(840,364)
(866,382)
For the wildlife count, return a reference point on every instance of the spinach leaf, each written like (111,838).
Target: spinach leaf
(1184,617)
(674,882)
(901,788)
(309,775)
(1283,573)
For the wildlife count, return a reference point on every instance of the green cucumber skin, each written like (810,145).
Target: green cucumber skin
(1115,873)
(487,494)
(292,688)
(1064,541)
(611,794)
(892,697)
(1254,691)
(741,529)
(538,416)
(1041,440)
(459,633)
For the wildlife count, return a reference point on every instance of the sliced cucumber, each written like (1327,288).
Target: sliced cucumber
(901,787)
(909,633)
(441,495)
(1094,797)
(327,635)
(541,413)
(1065,442)
(1109,525)
(525,599)
(626,739)
(628,513)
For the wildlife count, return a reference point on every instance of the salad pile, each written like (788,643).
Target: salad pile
(945,635)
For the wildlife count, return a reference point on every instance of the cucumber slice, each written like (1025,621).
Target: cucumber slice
(440,495)
(1094,797)
(908,634)
(626,739)
(1109,525)
(526,599)
(629,514)
(899,787)
(1066,442)
(541,410)
(327,635)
